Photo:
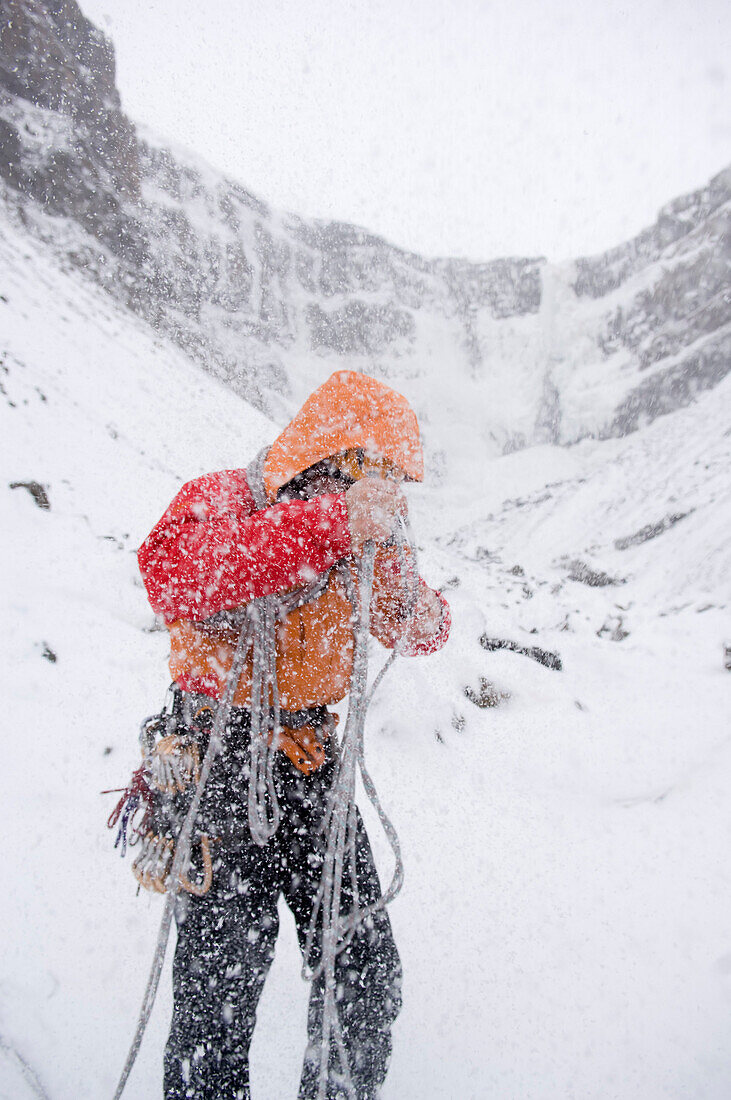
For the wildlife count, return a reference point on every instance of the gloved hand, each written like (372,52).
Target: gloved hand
(303,748)
(426,620)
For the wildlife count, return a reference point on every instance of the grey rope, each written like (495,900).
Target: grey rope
(181,860)
(340,822)
(257,623)
(263,805)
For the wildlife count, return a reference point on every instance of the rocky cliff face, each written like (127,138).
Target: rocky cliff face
(269,302)
(64,141)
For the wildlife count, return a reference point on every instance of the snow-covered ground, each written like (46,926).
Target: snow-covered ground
(565,925)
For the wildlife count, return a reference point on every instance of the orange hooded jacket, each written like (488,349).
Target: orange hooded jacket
(213,551)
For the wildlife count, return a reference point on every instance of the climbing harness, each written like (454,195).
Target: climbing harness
(172,764)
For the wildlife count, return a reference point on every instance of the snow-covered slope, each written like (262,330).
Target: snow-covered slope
(564,924)
(109,420)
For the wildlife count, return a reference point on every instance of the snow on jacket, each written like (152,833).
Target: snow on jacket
(213,551)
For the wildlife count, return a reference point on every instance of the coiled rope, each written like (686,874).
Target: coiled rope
(340,824)
(257,623)
(182,850)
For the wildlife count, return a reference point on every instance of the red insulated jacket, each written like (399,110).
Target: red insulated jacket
(212,551)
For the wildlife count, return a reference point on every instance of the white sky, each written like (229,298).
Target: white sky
(479,128)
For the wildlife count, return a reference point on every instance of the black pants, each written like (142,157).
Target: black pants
(226,941)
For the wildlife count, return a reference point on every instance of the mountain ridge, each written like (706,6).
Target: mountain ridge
(252,294)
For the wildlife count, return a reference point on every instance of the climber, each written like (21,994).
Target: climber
(295,523)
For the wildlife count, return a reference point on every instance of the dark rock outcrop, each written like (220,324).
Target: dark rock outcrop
(64,140)
(649,531)
(597,276)
(543,656)
(594,578)
(38,492)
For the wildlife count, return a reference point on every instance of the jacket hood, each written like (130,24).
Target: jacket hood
(349,410)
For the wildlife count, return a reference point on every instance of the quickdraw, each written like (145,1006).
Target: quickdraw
(152,866)
(174,764)
(170,766)
(135,795)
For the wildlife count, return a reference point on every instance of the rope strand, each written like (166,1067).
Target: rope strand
(340,821)
(182,851)
(258,632)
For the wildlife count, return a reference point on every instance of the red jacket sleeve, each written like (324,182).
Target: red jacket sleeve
(213,551)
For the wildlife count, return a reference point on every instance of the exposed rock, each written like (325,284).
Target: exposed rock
(594,578)
(244,290)
(614,628)
(599,275)
(37,491)
(543,656)
(487,695)
(358,327)
(508,288)
(451,583)
(649,531)
(64,140)
(674,387)
(483,553)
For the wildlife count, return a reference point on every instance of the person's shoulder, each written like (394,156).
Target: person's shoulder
(224,481)
(217,491)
